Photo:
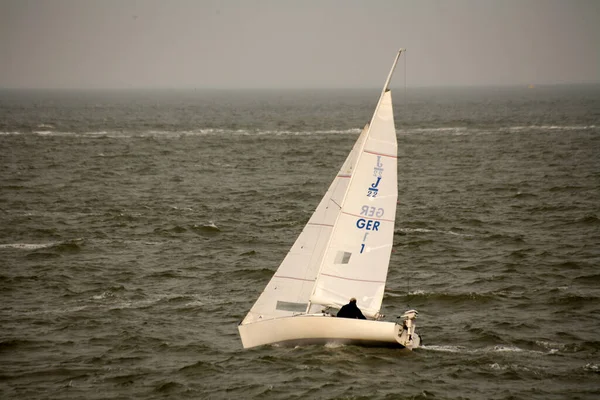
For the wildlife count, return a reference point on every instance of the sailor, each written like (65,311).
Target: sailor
(350,310)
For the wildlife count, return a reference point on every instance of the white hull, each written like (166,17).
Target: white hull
(320,329)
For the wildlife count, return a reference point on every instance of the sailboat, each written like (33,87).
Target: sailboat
(343,252)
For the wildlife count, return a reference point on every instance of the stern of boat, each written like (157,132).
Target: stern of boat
(405,330)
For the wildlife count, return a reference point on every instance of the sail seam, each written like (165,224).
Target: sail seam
(316,223)
(373,218)
(379,154)
(352,279)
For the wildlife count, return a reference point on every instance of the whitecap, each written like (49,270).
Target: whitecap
(424,230)
(501,348)
(27,246)
(102,296)
(444,348)
(333,345)
(195,303)
(211,224)
(591,367)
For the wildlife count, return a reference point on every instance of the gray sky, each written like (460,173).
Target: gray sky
(283,44)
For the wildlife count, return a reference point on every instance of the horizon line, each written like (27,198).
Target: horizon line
(531,85)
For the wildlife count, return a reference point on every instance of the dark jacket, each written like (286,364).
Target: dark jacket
(350,310)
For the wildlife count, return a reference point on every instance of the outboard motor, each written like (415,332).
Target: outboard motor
(406,334)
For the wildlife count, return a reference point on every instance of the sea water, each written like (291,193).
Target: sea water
(137,228)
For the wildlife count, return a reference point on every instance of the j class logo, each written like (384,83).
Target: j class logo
(373,190)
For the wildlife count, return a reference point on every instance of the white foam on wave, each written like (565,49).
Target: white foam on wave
(98,133)
(194,304)
(235,132)
(55,133)
(591,367)
(194,132)
(507,349)
(343,131)
(77,134)
(458,130)
(445,348)
(444,130)
(552,127)
(27,246)
(418,292)
(512,367)
(552,347)
(462,130)
(494,349)
(333,345)
(424,230)
(104,295)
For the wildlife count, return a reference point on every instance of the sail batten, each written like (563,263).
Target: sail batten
(353,279)
(372,218)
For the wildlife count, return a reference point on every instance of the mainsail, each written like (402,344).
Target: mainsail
(355,262)
(289,290)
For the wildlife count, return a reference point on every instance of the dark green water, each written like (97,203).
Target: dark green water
(138,227)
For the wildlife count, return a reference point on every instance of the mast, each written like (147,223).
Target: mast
(341,205)
(388,80)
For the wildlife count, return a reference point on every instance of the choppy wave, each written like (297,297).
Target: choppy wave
(450,130)
(465,130)
(424,230)
(177,134)
(27,246)
(482,350)
(64,246)
(208,227)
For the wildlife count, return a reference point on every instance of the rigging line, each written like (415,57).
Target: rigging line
(408,293)
(405,101)
(405,113)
